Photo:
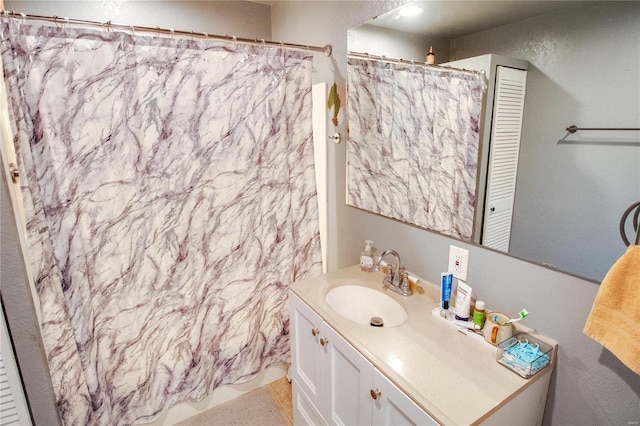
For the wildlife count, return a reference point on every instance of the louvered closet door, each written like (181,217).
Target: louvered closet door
(503,162)
(13,405)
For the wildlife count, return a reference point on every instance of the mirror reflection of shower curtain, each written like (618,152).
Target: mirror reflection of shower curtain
(170,200)
(412,151)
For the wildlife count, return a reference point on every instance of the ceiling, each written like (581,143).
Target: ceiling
(451,19)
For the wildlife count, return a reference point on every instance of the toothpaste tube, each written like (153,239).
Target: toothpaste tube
(446,282)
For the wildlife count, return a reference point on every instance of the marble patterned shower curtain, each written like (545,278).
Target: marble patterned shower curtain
(414,142)
(170,198)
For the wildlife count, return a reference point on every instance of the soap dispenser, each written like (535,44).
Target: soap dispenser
(366,257)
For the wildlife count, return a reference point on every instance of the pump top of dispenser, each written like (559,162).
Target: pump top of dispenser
(368,244)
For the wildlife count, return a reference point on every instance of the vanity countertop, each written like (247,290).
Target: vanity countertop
(453,376)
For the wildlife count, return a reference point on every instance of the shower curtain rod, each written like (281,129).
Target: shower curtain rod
(108,26)
(406,61)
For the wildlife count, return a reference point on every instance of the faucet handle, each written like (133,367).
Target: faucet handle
(405,286)
(390,274)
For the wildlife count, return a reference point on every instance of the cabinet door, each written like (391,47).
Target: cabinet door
(306,351)
(392,407)
(305,413)
(349,383)
(508,111)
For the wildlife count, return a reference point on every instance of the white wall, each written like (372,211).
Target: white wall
(235,18)
(584,70)
(590,385)
(411,47)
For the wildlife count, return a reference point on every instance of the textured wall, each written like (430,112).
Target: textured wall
(590,386)
(570,82)
(239,18)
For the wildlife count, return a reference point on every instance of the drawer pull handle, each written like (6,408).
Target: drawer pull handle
(315,331)
(375,393)
(324,341)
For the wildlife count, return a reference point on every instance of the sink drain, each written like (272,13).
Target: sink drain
(376,322)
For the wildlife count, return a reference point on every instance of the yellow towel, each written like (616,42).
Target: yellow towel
(614,321)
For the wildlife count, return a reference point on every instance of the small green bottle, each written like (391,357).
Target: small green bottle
(478,313)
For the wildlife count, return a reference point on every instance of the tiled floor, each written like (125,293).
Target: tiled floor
(281,393)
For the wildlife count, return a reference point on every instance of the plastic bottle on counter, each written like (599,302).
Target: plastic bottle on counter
(431,57)
(479,315)
(366,257)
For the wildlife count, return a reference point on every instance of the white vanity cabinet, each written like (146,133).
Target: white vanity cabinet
(334,384)
(307,362)
(423,371)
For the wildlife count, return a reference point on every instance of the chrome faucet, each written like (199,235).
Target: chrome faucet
(397,278)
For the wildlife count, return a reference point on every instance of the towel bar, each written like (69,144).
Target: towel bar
(635,223)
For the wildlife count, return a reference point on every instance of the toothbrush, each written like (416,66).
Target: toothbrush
(523,314)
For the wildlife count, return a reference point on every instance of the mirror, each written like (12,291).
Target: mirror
(582,64)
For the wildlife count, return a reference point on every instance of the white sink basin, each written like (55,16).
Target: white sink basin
(361,304)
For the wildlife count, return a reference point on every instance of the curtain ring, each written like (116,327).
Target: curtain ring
(201,40)
(66,20)
(172,33)
(13,15)
(133,30)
